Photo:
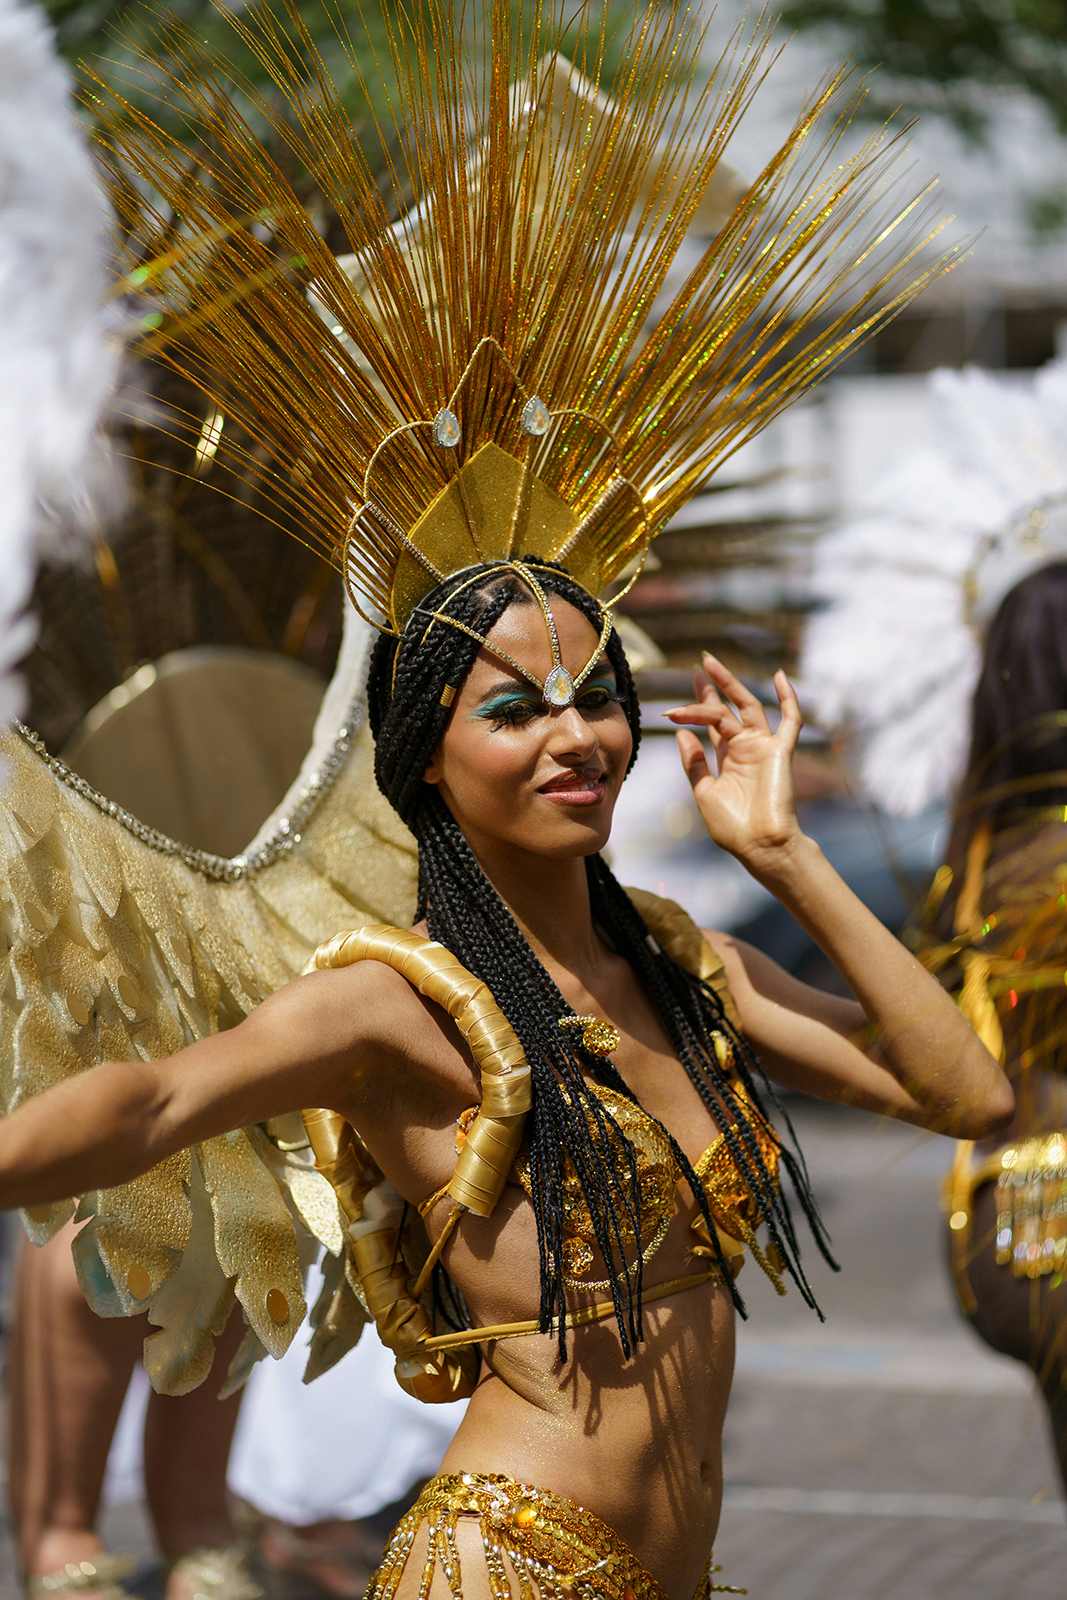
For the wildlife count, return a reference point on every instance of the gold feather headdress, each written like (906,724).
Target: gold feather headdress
(520,366)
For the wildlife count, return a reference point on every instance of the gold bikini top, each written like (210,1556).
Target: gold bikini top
(733,1209)
(386,1253)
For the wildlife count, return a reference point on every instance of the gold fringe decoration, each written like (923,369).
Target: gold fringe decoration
(548,211)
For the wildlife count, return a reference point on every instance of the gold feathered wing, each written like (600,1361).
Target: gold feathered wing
(122,948)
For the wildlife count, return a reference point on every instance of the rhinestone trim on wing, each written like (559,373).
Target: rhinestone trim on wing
(219,869)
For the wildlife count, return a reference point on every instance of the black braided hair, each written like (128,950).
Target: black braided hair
(567,1122)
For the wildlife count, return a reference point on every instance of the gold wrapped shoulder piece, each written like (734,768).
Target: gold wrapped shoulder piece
(373,1210)
(678,935)
(494,1137)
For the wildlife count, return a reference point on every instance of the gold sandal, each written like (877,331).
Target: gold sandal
(217,1574)
(101,1576)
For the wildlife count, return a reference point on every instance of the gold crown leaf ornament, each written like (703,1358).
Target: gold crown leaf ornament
(515,362)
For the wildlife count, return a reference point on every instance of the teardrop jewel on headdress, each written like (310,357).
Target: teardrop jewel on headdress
(446,429)
(536,419)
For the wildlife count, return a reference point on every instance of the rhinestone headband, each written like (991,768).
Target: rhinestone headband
(558,688)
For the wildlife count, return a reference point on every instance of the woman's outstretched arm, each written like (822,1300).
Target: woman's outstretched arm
(301,1047)
(905,1050)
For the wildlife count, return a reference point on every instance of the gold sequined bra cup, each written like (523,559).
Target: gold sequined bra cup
(391,1258)
(733,1210)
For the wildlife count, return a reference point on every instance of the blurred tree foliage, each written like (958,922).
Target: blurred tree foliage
(190,566)
(115,40)
(943,56)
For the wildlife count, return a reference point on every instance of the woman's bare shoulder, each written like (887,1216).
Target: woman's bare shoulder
(363,1018)
(394,1034)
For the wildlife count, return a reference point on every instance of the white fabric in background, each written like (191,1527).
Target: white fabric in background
(124,1480)
(344,1446)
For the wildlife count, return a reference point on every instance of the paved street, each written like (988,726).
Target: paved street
(885,1455)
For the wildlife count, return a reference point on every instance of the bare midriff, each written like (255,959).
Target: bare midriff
(637,1442)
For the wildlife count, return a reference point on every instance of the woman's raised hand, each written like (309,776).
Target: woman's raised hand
(749,808)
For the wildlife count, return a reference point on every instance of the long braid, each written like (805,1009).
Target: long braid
(691,1010)
(467,915)
(567,1124)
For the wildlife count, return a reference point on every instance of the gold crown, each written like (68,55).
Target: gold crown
(532,360)
(495,509)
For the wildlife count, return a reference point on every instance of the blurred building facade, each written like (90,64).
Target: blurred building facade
(733,572)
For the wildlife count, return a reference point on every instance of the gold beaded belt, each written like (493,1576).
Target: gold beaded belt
(1031,1207)
(551,1544)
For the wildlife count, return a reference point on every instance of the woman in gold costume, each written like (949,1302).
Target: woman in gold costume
(541,1110)
(997,933)
(628,1425)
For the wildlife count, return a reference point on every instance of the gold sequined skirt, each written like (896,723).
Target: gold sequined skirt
(556,1549)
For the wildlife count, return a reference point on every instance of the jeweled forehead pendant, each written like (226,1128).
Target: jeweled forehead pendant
(559,685)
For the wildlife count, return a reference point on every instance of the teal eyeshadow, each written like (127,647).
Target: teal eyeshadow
(493,708)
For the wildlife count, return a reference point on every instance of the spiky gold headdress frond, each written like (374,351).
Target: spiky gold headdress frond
(494,374)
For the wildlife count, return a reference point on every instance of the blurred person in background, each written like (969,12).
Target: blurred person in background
(321,1462)
(940,657)
(996,928)
(68,1373)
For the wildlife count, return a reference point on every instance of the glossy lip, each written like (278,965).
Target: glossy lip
(582,786)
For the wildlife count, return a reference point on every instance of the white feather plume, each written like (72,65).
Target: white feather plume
(893,658)
(57,362)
